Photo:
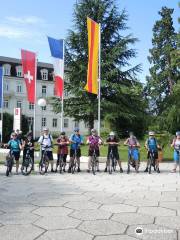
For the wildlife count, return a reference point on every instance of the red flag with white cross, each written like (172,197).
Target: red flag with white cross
(29,73)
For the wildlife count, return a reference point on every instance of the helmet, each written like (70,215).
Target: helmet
(178,133)
(76,129)
(62,133)
(93,130)
(45,129)
(151,133)
(112,134)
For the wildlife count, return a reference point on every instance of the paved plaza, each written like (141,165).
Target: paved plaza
(85,207)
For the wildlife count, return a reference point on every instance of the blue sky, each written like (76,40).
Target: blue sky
(25,24)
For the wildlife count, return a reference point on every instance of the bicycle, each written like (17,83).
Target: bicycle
(94,162)
(44,163)
(112,162)
(132,155)
(74,162)
(27,164)
(60,163)
(9,162)
(152,161)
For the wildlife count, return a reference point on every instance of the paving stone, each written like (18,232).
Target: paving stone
(80,205)
(103,227)
(156,211)
(143,202)
(54,223)
(114,237)
(49,202)
(18,218)
(171,205)
(91,214)
(132,218)
(107,200)
(171,222)
(71,234)
(52,211)
(152,232)
(16,207)
(117,208)
(20,232)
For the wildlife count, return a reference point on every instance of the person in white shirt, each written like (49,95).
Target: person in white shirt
(45,141)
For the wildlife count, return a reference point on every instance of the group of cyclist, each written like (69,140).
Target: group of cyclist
(17,144)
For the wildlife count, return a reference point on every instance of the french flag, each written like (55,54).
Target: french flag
(57,53)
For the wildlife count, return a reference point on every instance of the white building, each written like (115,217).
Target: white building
(15,95)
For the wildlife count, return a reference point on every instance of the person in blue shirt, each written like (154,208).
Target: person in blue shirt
(151,144)
(75,141)
(15,146)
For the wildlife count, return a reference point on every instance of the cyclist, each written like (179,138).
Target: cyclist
(62,150)
(113,143)
(46,140)
(151,144)
(29,143)
(75,140)
(15,146)
(176,145)
(94,141)
(133,150)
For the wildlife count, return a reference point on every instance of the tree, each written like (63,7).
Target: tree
(7,126)
(117,76)
(164,72)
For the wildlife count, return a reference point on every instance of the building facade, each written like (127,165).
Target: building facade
(15,95)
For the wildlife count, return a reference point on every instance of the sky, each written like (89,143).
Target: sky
(26,24)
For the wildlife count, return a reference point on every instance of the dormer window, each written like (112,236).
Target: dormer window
(19,71)
(44,74)
(7,69)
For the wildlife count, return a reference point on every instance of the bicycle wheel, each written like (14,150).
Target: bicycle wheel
(43,165)
(114,165)
(110,165)
(27,166)
(9,166)
(73,166)
(150,164)
(94,165)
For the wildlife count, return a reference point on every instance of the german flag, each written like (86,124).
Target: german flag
(93,52)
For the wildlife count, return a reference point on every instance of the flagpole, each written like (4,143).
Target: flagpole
(2,91)
(35,82)
(99,84)
(62,99)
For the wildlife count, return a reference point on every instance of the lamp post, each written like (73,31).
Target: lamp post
(42,103)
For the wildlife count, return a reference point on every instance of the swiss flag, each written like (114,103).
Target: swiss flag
(29,71)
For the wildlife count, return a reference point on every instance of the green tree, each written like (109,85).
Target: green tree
(117,76)
(7,126)
(164,71)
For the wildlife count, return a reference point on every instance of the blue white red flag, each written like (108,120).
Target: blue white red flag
(57,53)
(1,87)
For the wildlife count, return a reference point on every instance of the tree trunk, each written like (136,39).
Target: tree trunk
(91,122)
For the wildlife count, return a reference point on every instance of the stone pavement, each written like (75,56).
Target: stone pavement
(85,207)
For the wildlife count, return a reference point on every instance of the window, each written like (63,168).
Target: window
(43,108)
(66,123)
(31,106)
(19,104)
(54,123)
(30,122)
(76,124)
(6,104)
(44,74)
(6,86)
(19,71)
(7,69)
(43,91)
(43,122)
(19,88)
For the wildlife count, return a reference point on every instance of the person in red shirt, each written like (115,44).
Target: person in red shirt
(62,151)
